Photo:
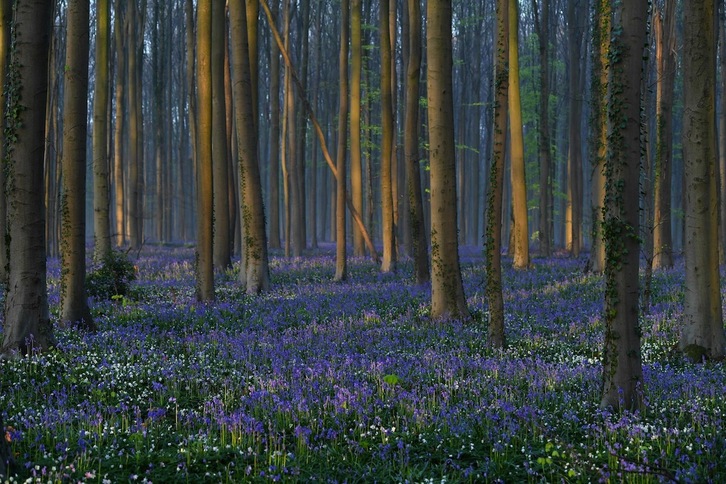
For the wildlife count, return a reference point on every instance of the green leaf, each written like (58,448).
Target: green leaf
(391,379)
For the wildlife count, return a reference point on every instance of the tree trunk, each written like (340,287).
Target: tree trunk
(519,181)
(666,74)
(356,166)
(447,291)
(545,153)
(574,16)
(496,180)
(274,161)
(411,140)
(121,96)
(74,305)
(702,334)
(135,210)
(622,366)
(340,242)
(101,220)
(389,235)
(256,277)
(27,327)
(598,149)
(220,149)
(205,200)
(6,16)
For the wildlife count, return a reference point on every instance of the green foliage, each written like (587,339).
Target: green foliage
(112,279)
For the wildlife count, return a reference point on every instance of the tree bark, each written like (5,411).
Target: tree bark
(101,200)
(340,242)
(389,235)
(274,160)
(598,149)
(519,181)
(121,95)
(702,333)
(665,90)
(574,159)
(545,153)
(220,149)
(205,200)
(27,327)
(6,15)
(493,252)
(411,146)
(356,166)
(622,366)
(74,304)
(447,291)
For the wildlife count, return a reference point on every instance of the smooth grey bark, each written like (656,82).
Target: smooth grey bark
(101,200)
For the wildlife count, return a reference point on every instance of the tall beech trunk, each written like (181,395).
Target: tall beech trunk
(447,291)
(340,242)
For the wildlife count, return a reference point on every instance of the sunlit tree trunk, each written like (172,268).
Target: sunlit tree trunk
(622,366)
(74,304)
(27,325)
(205,201)
(519,183)
(411,148)
(665,90)
(598,148)
(702,334)
(389,235)
(340,242)
(256,278)
(447,291)
(220,163)
(356,166)
(120,120)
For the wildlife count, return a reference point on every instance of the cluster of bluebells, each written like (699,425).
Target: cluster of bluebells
(322,381)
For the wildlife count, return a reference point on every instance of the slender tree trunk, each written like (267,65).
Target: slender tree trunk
(389,235)
(121,96)
(135,212)
(496,184)
(340,242)
(519,181)
(74,305)
(545,152)
(192,100)
(356,166)
(622,366)
(411,140)
(205,200)
(665,90)
(447,291)
(220,149)
(27,325)
(702,334)
(574,159)
(256,277)
(6,15)
(101,200)
(274,161)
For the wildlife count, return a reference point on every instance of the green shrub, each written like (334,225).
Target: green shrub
(112,277)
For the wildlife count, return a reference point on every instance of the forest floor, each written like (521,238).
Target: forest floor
(317,381)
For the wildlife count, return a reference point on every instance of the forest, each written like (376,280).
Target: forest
(362,241)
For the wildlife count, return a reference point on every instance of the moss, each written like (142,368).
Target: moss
(696,353)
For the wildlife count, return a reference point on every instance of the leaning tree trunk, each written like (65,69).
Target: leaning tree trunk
(74,304)
(622,366)
(27,326)
(447,291)
(702,334)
